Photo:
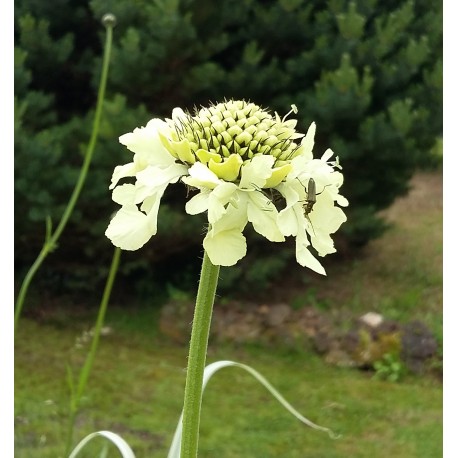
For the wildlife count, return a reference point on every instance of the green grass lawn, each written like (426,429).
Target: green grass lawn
(136,390)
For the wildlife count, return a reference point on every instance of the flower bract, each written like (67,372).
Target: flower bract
(245,166)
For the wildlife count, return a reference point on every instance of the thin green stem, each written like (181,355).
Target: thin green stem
(77,394)
(197,357)
(51,239)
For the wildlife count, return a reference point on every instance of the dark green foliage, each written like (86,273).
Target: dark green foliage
(369,73)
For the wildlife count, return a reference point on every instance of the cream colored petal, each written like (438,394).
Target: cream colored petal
(198,203)
(225,248)
(153,177)
(122,171)
(263,216)
(327,155)
(200,176)
(227,170)
(287,222)
(306,147)
(256,172)
(342,201)
(130,228)
(182,149)
(219,198)
(323,244)
(150,204)
(125,194)
(278,175)
(326,217)
(178,115)
(291,220)
(304,256)
(146,143)
(204,156)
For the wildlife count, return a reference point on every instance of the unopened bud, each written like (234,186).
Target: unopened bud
(109,20)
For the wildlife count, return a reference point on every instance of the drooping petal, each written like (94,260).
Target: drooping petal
(125,194)
(290,217)
(153,177)
(214,201)
(304,257)
(224,242)
(219,198)
(326,217)
(290,220)
(198,203)
(287,222)
(323,244)
(154,180)
(225,248)
(122,171)
(262,213)
(130,228)
(150,205)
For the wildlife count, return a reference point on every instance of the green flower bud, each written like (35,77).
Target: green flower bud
(109,20)
(234,127)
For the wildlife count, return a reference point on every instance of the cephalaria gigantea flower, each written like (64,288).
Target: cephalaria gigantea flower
(246,166)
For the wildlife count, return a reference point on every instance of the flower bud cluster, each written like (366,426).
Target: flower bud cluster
(225,135)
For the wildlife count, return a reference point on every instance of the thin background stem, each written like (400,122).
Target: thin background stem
(77,394)
(51,238)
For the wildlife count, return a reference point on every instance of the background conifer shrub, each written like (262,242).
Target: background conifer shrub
(369,73)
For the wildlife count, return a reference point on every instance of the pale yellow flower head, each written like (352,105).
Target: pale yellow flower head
(237,156)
